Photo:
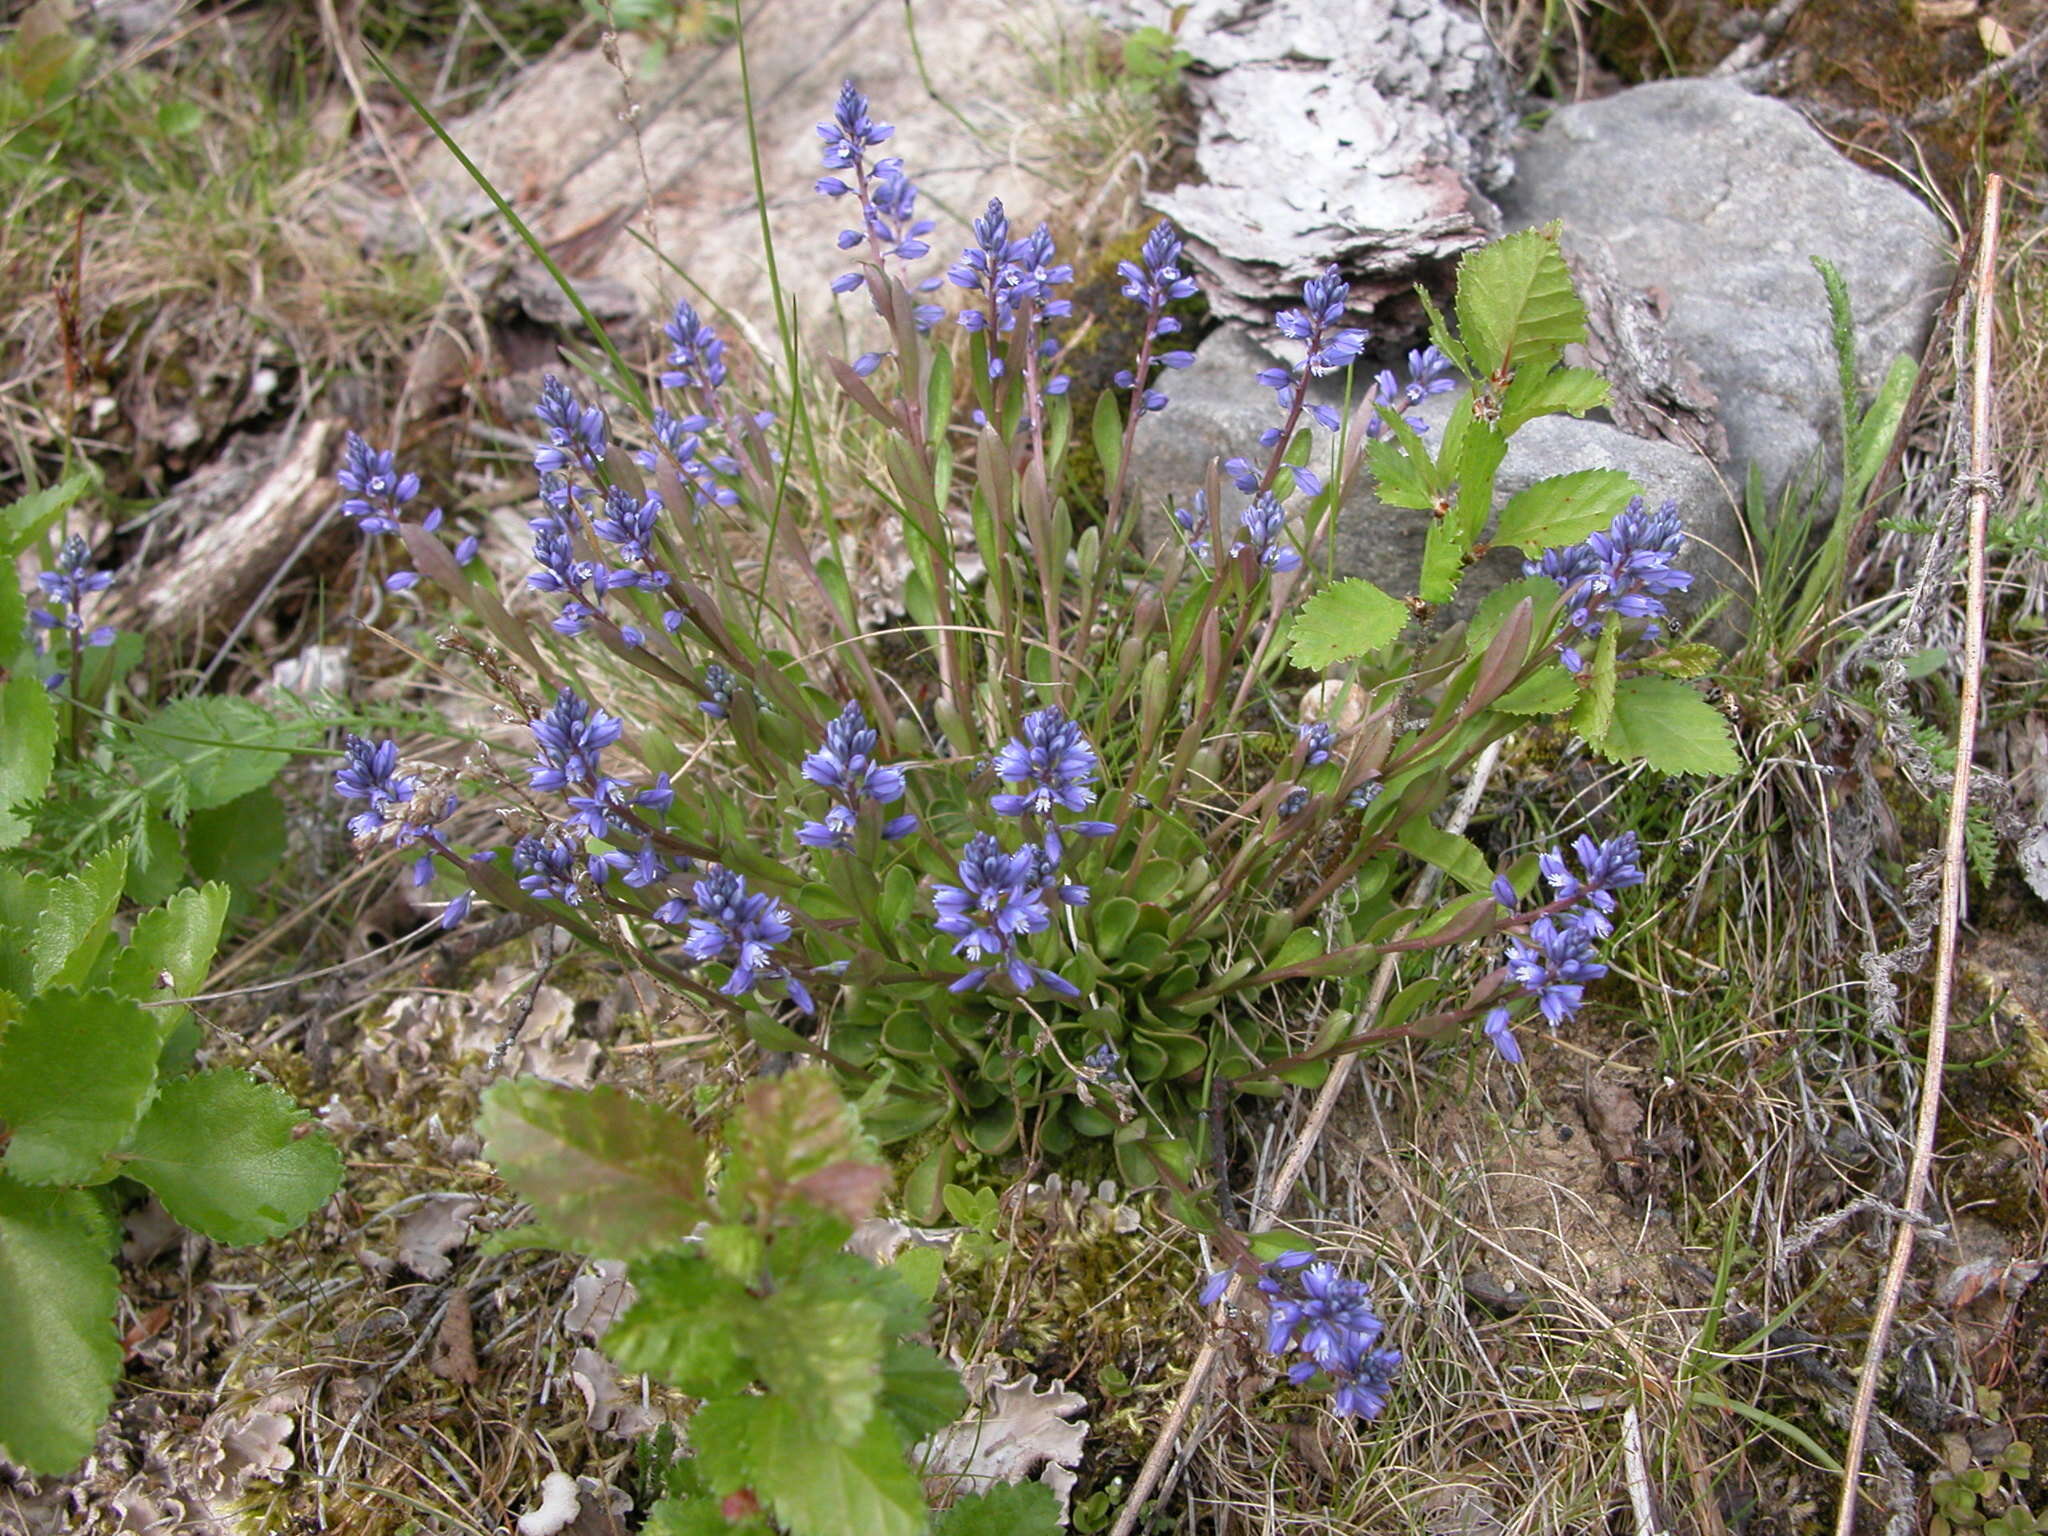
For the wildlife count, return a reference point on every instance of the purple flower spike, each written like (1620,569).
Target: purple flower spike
(851,131)
(1325,1320)
(577,433)
(742,930)
(1624,573)
(1054,759)
(846,766)
(1002,898)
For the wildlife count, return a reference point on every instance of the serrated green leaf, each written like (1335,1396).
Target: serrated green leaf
(1594,716)
(1515,303)
(813,1486)
(1665,723)
(787,1129)
(1443,561)
(920,1391)
(682,1326)
(76,1070)
(59,1354)
(1397,479)
(1440,332)
(1697,659)
(22,522)
(1477,467)
(1549,691)
(616,1175)
(1345,620)
(823,1351)
(1536,392)
(219,748)
(1006,1509)
(178,940)
(224,1154)
(1456,856)
(1564,509)
(28,745)
(52,928)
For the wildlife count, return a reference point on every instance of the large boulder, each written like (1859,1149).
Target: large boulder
(1713,200)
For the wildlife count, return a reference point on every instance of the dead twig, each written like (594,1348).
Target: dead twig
(1980,486)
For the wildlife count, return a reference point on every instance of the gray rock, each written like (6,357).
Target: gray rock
(1364,132)
(1218,411)
(1713,199)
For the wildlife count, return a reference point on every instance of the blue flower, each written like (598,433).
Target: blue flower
(850,133)
(1001,899)
(629,522)
(376,490)
(1625,572)
(1315,325)
(1554,963)
(742,929)
(1154,281)
(369,771)
(577,433)
(1314,739)
(1325,1319)
(696,359)
(550,866)
(1604,868)
(1266,522)
(1055,763)
(571,737)
(69,590)
(846,766)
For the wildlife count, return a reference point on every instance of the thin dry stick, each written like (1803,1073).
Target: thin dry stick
(1266,1209)
(1981,488)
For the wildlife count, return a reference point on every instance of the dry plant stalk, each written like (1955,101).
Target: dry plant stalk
(1266,1209)
(1980,484)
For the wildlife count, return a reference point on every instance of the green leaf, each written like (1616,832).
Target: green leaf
(53,927)
(823,1351)
(698,1515)
(28,743)
(1447,851)
(59,1354)
(1006,1509)
(1478,464)
(682,1326)
(1564,509)
(176,119)
(1547,692)
(224,1154)
(76,1070)
(1666,724)
(1538,393)
(1515,303)
(1345,620)
(1872,439)
(1594,716)
(1440,332)
(789,1129)
(813,1486)
(177,939)
(220,748)
(241,843)
(22,522)
(1113,921)
(609,1171)
(920,1391)
(1443,561)
(1398,480)
(1107,431)
(1696,659)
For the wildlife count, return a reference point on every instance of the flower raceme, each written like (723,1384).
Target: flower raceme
(846,767)
(1325,1320)
(67,592)
(1624,573)
(1553,962)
